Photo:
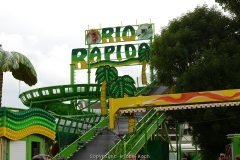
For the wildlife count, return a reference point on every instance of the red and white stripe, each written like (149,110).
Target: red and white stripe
(132,110)
(194,106)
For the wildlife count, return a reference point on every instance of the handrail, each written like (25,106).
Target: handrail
(73,147)
(152,118)
(145,88)
(150,129)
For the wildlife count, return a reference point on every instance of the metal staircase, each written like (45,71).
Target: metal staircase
(133,143)
(104,140)
(83,140)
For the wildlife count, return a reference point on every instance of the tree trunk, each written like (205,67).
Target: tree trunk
(103,98)
(171,89)
(144,80)
(1,84)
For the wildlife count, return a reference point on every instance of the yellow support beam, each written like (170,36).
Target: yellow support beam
(103,100)
(169,100)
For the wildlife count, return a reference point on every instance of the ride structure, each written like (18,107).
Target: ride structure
(76,122)
(78,126)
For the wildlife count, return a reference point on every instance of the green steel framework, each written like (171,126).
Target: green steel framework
(80,124)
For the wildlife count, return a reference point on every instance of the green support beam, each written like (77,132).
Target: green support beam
(72,77)
(169,140)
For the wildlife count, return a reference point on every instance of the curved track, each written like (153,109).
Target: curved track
(60,93)
(53,98)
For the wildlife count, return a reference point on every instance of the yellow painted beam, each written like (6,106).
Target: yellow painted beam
(169,100)
(131,125)
(103,98)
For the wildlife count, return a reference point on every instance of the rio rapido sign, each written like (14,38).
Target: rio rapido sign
(114,55)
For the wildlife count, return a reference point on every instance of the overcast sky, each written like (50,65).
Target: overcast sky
(46,31)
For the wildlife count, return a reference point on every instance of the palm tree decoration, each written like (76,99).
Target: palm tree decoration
(104,75)
(143,56)
(20,66)
(123,87)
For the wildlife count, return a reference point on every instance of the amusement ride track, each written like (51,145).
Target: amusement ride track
(51,98)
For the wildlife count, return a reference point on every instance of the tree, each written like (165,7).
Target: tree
(123,87)
(233,6)
(20,66)
(104,75)
(200,51)
(144,57)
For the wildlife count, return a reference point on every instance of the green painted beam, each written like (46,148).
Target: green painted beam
(169,140)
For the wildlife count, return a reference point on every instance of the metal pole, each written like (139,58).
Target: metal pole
(72,83)
(88,61)
(169,140)
(180,139)
(177,138)
(19,87)
(89,72)
(151,68)
(137,84)
(1,151)
(59,146)
(125,155)
(72,73)
(196,144)
(146,140)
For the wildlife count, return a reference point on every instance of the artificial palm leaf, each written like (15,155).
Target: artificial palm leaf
(143,54)
(121,85)
(106,73)
(20,66)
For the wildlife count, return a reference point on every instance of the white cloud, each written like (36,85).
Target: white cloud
(53,67)
(12,42)
(33,39)
(47,31)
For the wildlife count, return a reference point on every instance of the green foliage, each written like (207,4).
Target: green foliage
(186,39)
(20,66)
(107,73)
(233,6)
(200,51)
(121,85)
(143,54)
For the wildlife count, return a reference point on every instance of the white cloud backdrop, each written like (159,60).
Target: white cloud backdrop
(47,31)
